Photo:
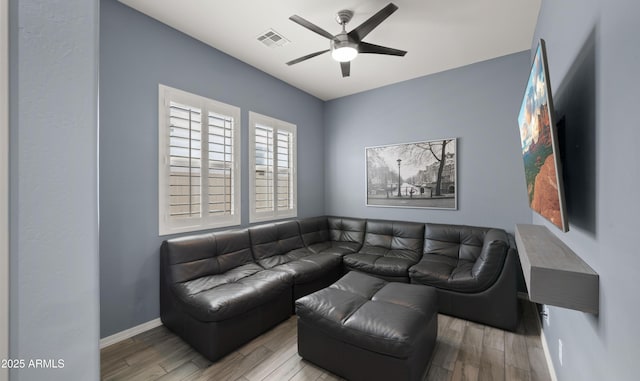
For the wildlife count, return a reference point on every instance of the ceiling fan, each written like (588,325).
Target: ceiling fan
(345,46)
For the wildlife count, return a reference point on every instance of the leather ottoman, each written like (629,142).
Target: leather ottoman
(365,328)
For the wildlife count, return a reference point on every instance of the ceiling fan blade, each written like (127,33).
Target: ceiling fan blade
(312,27)
(303,58)
(364,47)
(346,68)
(363,29)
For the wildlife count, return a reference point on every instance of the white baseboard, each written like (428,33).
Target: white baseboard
(547,354)
(127,333)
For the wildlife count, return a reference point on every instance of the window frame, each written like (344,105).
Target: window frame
(277,125)
(167,225)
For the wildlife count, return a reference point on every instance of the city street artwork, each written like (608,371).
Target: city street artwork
(413,175)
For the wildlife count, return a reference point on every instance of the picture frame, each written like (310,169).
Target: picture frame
(426,172)
(540,147)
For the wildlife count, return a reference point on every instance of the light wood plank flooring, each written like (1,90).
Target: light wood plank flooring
(464,351)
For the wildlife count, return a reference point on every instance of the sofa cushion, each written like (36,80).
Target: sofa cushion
(389,249)
(276,260)
(335,247)
(334,235)
(482,254)
(275,239)
(201,255)
(233,248)
(311,267)
(314,230)
(347,230)
(403,237)
(433,269)
(279,247)
(205,283)
(455,241)
(221,297)
(376,261)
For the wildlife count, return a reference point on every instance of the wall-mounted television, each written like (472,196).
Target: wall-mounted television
(539,138)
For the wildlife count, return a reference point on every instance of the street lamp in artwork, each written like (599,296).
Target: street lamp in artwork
(399,194)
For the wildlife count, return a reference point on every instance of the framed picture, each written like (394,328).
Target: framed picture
(540,148)
(413,175)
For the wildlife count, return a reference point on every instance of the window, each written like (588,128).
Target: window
(272,163)
(199,163)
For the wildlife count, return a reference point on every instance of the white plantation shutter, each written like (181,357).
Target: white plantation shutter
(263,188)
(284,164)
(185,143)
(199,179)
(273,168)
(221,174)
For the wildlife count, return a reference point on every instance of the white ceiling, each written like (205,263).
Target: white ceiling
(438,35)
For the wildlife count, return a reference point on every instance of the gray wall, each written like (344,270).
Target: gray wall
(136,54)
(593,55)
(477,104)
(53,186)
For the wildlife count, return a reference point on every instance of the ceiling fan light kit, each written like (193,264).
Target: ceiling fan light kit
(344,51)
(345,46)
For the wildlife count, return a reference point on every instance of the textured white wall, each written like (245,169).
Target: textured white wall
(4,185)
(53,184)
(593,62)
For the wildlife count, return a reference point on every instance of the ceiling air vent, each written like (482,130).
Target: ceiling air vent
(272,39)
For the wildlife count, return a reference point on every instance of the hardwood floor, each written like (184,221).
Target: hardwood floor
(464,351)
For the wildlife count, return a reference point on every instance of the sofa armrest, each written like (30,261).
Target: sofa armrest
(491,260)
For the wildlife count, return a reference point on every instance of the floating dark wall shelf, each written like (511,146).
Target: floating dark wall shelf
(554,274)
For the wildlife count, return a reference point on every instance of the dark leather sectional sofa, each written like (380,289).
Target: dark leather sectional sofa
(219,290)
